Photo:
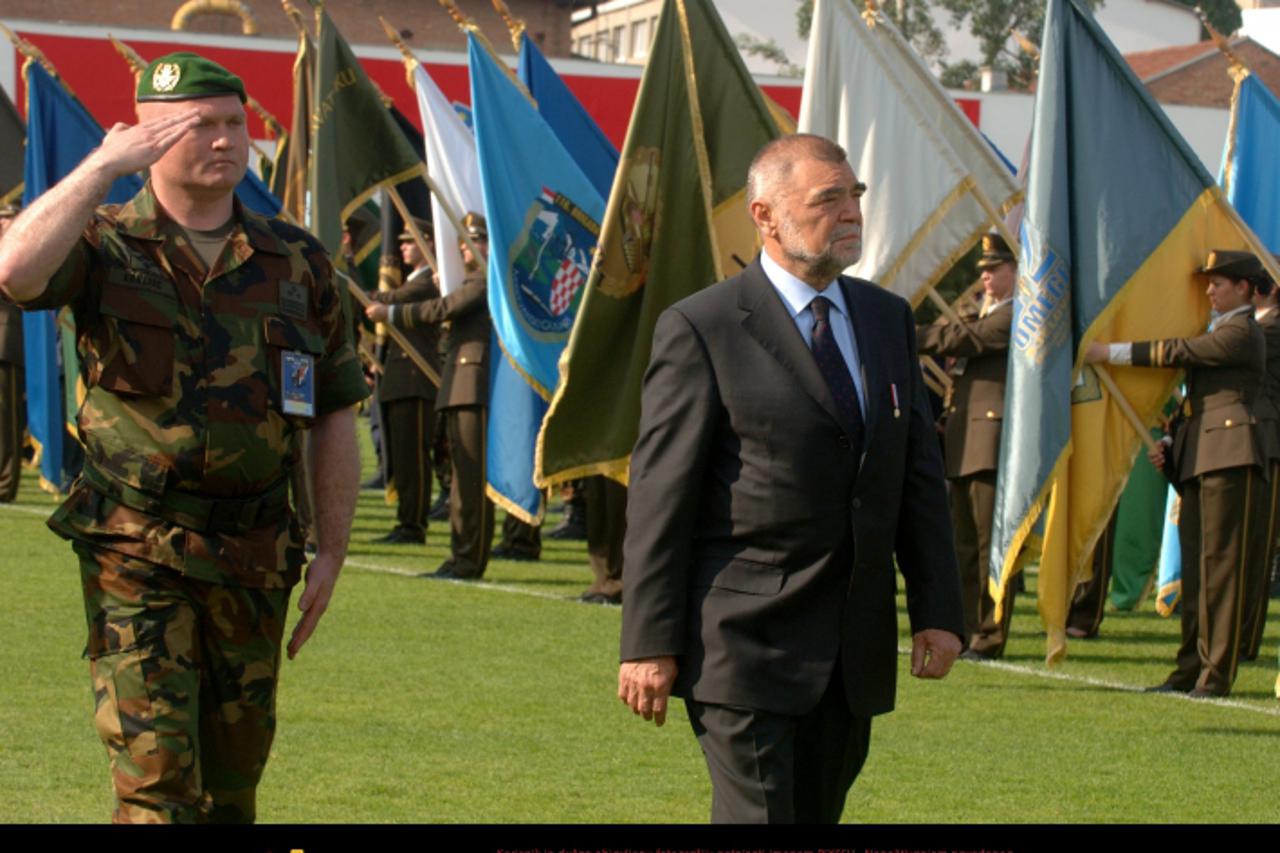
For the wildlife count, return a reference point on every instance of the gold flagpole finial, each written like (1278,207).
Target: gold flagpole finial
(1028,47)
(295,15)
(410,61)
(130,55)
(463,22)
(1238,70)
(30,51)
(871,12)
(514,25)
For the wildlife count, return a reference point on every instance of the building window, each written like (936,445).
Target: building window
(640,38)
(618,41)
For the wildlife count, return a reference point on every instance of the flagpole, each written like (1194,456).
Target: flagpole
(411,62)
(950,313)
(1143,431)
(419,240)
(514,25)
(398,336)
(30,51)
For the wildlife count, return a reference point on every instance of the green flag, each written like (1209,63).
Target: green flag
(676,222)
(355,146)
(289,171)
(13,135)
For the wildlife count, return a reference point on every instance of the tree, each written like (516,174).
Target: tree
(913,19)
(1224,15)
(770,51)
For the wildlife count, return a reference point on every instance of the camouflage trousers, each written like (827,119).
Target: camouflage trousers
(184,684)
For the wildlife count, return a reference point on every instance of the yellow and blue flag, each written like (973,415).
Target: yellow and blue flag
(60,133)
(1250,173)
(1119,214)
(543,216)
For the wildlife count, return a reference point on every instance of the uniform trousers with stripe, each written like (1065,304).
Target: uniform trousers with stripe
(1222,525)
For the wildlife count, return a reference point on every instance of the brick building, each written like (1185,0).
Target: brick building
(1196,74)
(424,24)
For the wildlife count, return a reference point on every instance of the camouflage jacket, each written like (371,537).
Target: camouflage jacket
(183,378)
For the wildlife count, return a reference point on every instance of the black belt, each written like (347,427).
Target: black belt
(201,514)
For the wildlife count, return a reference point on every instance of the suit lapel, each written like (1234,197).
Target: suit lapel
(769,322)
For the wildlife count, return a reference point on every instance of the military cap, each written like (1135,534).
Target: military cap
(1232,264)
(184,76)
(10,209)
(476,226)
(424,225)
(995,251)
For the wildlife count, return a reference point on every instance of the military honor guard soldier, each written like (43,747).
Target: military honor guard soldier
(463,398)
(1215,457)
(208,337)
(979,345)
(408,399)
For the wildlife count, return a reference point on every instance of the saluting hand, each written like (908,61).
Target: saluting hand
(128,149)
(645,684)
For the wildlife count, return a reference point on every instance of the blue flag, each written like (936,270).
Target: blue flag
(60,133)
(1119,214)
(577,131)
(543,215)
(1250,173)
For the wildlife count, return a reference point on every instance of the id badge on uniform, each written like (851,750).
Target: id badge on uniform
(297,371)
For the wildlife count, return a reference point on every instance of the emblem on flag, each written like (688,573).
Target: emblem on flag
(550,262)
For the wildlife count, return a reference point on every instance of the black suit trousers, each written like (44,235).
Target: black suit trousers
(774,768)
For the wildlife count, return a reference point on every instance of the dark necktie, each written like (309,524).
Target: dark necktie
(834,369)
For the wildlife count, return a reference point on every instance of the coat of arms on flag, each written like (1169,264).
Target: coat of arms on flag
(550,262)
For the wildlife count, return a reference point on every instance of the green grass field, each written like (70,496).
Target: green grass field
(430,702)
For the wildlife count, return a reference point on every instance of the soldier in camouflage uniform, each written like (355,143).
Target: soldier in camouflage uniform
(208,338)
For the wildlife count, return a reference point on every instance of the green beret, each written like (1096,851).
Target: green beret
(184,76)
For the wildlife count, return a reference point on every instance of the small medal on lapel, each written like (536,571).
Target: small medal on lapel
(893,393)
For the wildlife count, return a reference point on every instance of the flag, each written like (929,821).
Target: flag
(12,137)
(293,155)
(356,147)
(451,163)
(1119,215)
(60,133)
(577,131)
(1250,175)
(676,222)
(1139,526)
(544,212)
(934,183)
(1169,570)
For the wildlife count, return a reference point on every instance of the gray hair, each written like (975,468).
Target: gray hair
(772,164)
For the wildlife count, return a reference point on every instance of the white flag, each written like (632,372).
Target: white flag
(934,185)
(452,165)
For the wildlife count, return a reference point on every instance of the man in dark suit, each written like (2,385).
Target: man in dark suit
(786,455)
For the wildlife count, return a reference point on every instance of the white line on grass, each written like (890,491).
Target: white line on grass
(1017,669)
(495,587)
